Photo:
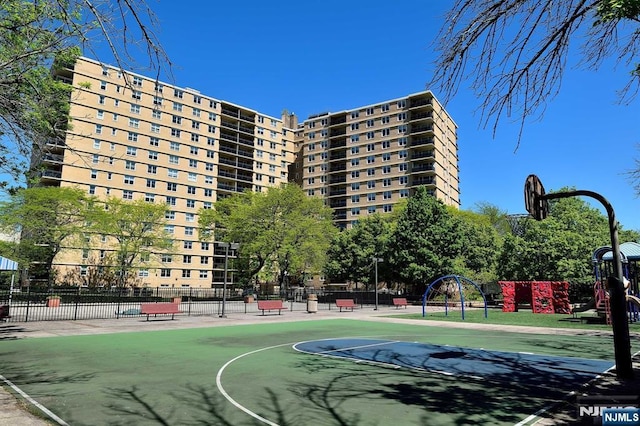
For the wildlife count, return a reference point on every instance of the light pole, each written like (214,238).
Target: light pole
(375,261)
(227,246)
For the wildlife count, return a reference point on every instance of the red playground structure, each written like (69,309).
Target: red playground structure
(545,297)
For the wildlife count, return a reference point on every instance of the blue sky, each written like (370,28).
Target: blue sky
(314,56)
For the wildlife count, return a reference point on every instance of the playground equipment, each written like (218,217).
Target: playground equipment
(601,268)
(450,285)
(545,297)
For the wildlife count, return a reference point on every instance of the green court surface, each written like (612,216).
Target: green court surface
(251,375)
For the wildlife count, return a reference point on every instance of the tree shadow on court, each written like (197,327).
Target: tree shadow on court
(501,396)
(204,406)
(10,332)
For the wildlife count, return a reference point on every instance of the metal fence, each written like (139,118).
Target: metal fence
(83,304)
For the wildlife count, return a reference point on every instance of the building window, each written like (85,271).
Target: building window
(170,201)
(155,128)
(188,245)
(153,141)
(186,273)
(135,109)
(132,151)
(152,169)
(174,146)
(204,274)
(165,272)
(151,183)
(133,137)
(136,95)
(153,155)
(150,198)
(129,180)
(130,165)
(176,119)
(172,186)
(127,195)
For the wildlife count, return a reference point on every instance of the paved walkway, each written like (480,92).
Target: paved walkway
(13,412)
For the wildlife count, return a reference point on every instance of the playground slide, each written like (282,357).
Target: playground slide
(633,299)
(591,304)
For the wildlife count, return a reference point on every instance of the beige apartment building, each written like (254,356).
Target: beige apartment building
(136,138)
(363,161)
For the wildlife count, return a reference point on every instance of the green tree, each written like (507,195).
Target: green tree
(557,248)
(481,241)
(136,233)
(426,241)
(38,34)
(282,232)
(514,51)
(352,252)
(47,219)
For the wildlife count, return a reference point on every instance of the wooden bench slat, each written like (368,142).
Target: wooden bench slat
(400,301)
(159,309)
(271,305)
(345,303)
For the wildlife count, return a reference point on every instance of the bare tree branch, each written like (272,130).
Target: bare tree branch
(513,53)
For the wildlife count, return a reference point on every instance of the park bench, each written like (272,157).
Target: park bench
(271,305)
(345,303)
(399,301)
(156,309)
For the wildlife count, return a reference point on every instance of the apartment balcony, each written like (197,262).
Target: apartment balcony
(235,162)
(429,180)
(236,112)
(245,141)
(53,158)
(245,153)
(340,215)
(339,131)
(337,119)
(227,148)
(421,128)
(337,167)
(51,175)
(420,102)
(238,126)
(338,155)
(421,141)
(233,137)
(334,204)
(420,115)
(56,146)
(421,154)
(334,179)
(334,192)
(338,143)
(418,168)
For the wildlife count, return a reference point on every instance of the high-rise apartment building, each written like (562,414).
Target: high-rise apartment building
(136,138)
(364,160)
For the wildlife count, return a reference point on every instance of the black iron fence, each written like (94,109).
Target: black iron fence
(83,303)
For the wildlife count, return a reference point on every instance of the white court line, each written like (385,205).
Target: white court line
(41,407)
(359,347)
(233,401)
(546,408)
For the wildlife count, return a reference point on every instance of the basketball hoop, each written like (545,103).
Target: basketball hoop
(533,202)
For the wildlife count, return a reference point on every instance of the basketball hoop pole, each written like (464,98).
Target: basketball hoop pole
(619,325)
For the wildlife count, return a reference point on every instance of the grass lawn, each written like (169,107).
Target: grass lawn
(525,318)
